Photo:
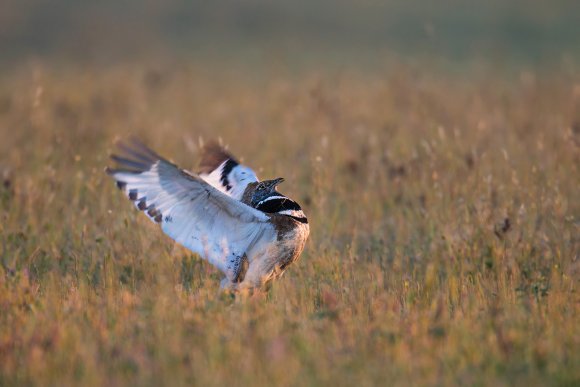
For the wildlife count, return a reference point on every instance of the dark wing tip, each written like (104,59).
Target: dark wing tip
(212,156)
(125,162)
(121,185)
(132,156)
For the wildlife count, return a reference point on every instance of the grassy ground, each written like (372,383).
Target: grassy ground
(444,241)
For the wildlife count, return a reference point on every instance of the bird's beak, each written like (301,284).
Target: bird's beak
(274,183)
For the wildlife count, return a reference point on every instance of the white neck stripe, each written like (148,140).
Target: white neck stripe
(292,213)
(272,198)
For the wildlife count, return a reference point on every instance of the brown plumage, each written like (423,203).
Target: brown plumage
(212,156)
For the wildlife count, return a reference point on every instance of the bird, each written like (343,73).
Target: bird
(243,226)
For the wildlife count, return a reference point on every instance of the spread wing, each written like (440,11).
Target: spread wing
(217,227)
(220,169)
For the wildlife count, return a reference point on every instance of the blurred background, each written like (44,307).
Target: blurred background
(434,145)
(342,33)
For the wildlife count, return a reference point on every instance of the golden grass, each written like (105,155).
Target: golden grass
(444,218)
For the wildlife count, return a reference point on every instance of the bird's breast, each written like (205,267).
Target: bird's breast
(291,242)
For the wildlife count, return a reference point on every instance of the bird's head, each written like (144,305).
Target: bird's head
(263,189)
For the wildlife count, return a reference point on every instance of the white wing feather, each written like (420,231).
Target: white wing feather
(193,213)
(238,179)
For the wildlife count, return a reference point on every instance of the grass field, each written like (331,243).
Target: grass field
(444,214)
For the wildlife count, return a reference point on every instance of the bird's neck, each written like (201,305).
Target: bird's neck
(247,195)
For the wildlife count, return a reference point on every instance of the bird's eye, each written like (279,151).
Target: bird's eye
(261,187)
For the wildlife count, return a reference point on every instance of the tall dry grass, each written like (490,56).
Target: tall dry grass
(444,246)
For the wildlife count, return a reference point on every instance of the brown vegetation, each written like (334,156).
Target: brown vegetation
(444,244)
